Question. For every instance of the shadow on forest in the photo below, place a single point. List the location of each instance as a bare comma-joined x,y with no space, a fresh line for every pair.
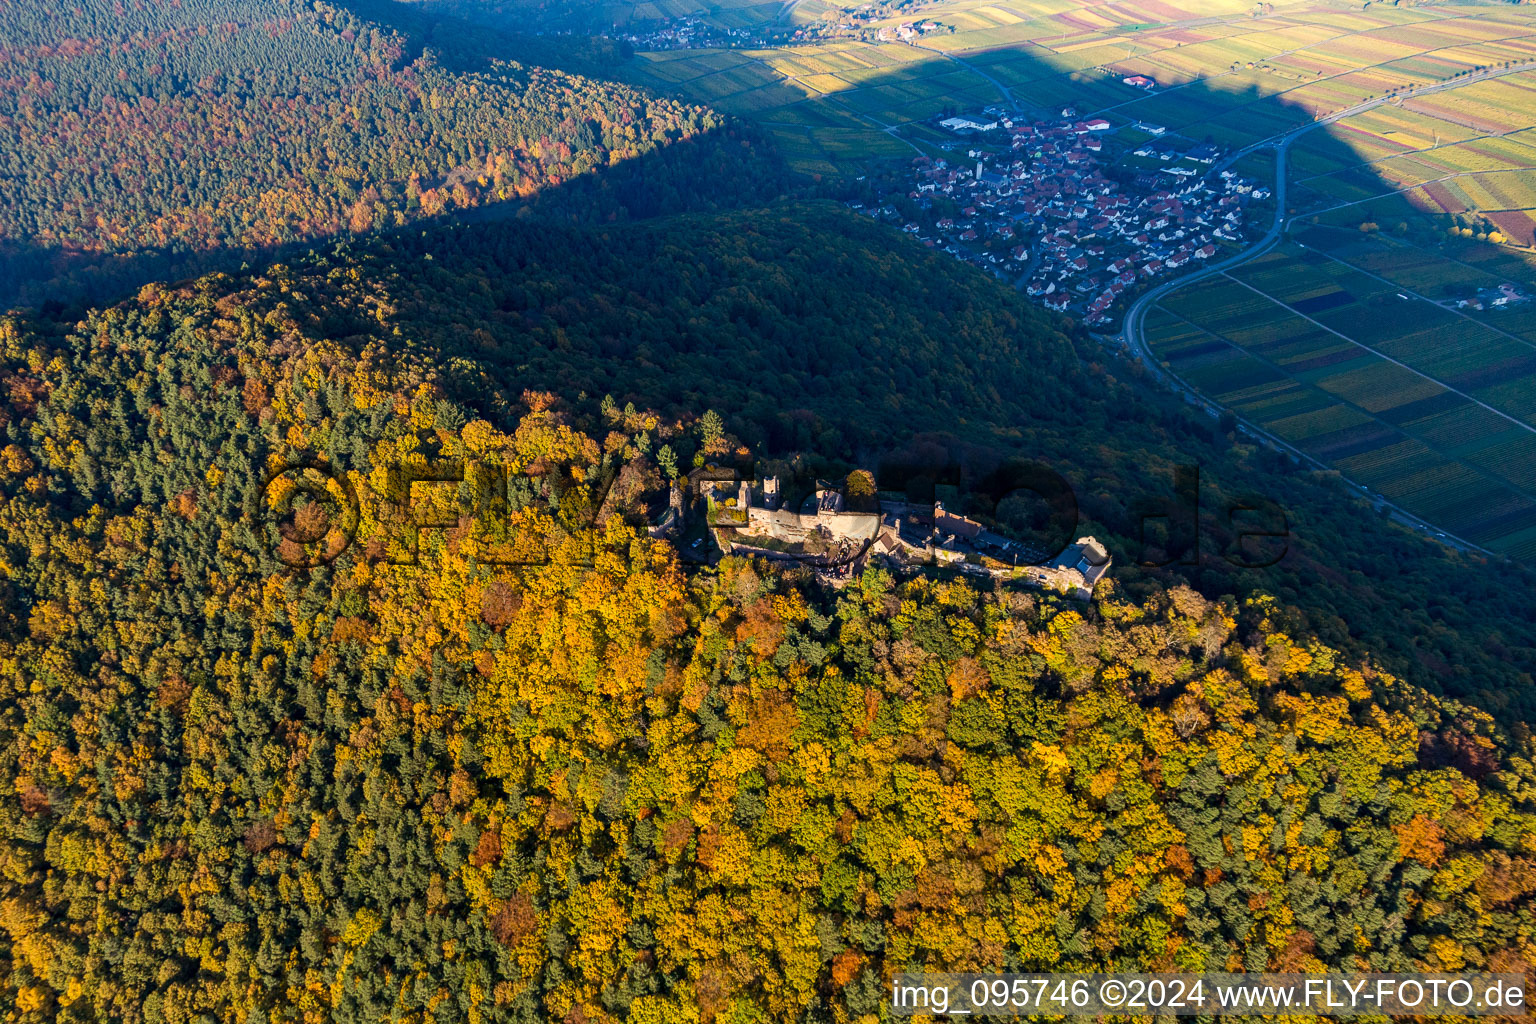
712,171
730,167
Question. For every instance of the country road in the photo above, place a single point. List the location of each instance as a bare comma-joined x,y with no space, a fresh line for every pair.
1002,89
1133,332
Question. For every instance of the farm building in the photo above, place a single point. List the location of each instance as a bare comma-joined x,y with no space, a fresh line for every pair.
969,124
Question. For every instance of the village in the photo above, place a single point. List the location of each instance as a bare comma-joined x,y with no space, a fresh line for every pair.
1078,212
692,32
837,537
698,31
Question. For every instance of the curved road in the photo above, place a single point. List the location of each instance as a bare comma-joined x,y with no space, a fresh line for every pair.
1133,333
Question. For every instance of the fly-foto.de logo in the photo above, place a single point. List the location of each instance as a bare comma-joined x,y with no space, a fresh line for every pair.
1015,515
310,513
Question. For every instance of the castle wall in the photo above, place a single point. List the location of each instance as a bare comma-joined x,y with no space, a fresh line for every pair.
792,527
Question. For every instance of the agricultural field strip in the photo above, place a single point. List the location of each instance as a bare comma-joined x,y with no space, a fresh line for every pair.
889,129
1008,96
1284,138
798,78
1006,93
1112,33
1468,122
1409,188
709,72
1488,155
1470,266
1409,291
1382,355
960,57
1150,54
1336,399
1424,149
1405,178
1342,71
836,100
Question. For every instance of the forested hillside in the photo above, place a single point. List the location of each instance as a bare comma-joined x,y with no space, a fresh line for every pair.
812,331
286,737
600,787
133,129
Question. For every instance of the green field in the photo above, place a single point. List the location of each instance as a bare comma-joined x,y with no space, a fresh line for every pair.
1331,349
1470,153
830,107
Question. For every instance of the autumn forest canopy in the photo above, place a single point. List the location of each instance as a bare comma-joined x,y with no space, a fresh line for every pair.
182,129
609,785
284,739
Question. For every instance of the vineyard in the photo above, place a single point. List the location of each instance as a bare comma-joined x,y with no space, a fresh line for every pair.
1429,406
1220,73
1470,152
